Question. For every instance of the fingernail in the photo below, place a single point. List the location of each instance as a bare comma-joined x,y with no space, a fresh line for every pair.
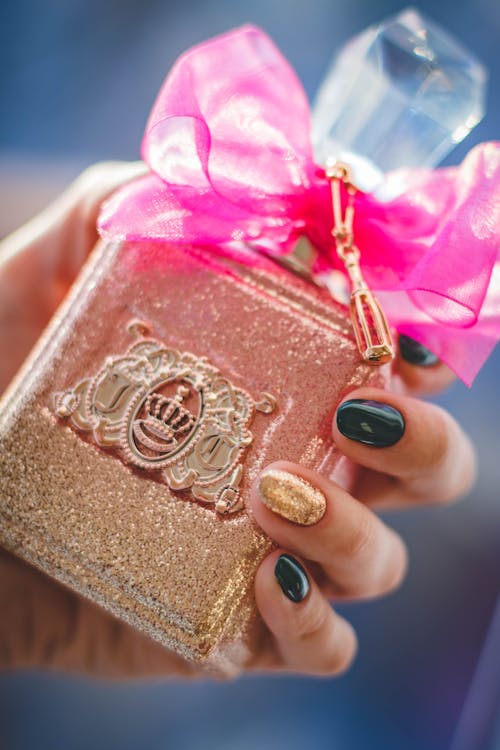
370,422
415,353
292,578
291,497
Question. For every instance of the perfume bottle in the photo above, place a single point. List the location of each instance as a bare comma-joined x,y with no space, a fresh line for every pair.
170,376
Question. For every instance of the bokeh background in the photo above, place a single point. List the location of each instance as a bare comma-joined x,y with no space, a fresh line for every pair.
77,79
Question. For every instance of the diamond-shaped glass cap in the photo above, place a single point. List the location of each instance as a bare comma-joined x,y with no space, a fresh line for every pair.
402,93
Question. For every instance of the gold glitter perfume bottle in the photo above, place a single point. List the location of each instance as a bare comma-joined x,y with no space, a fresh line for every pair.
168,379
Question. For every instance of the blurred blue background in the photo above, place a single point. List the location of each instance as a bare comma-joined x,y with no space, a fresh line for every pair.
77,79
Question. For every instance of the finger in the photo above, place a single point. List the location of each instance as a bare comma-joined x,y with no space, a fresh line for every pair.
415,443
310,637
76,208
359,554
418,371
39,261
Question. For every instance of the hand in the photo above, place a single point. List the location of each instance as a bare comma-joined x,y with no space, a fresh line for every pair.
349,553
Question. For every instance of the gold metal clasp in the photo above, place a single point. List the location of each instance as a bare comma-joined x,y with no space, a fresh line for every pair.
369,322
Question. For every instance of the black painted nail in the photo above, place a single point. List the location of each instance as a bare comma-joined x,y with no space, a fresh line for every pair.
292,578
370,422
415,353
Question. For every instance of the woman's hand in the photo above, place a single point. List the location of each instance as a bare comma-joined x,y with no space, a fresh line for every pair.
350,553
409,452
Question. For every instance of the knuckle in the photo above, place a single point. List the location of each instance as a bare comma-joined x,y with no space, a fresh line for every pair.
440,444
310,620
431,453
334,660
382,571
359,541
458,486
469,469
461,474
333,664
94,175
92,184
338,663
90,188
434,445
395,573
448,464
446,497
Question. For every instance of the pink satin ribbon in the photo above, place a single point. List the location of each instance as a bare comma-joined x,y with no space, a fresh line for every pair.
228,146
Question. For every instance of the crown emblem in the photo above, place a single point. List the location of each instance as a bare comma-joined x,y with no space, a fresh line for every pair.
166,421
168,412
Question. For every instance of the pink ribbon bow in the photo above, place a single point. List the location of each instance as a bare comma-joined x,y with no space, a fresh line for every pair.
228,146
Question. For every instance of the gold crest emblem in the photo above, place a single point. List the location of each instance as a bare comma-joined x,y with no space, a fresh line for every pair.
168,412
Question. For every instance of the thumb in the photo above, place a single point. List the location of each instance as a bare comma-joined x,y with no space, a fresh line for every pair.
39,261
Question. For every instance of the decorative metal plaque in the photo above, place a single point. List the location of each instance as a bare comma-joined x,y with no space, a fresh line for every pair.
168,412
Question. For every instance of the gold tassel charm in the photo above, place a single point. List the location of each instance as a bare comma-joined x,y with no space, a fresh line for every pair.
369,322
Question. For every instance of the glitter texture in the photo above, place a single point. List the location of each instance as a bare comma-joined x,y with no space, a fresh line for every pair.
168,565
292,497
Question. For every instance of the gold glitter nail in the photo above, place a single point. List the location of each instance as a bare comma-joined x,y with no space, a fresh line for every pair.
292,497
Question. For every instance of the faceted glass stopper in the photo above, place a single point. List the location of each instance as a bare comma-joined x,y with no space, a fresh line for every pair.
402,93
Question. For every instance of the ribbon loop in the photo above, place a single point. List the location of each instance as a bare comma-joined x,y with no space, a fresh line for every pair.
228,145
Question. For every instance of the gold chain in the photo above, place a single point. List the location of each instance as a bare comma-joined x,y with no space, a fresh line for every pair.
369,322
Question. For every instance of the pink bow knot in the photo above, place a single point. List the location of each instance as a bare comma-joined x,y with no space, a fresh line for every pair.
228,145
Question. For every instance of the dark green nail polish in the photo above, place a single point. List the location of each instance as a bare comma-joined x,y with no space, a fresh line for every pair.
370,422
415,353
292,578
